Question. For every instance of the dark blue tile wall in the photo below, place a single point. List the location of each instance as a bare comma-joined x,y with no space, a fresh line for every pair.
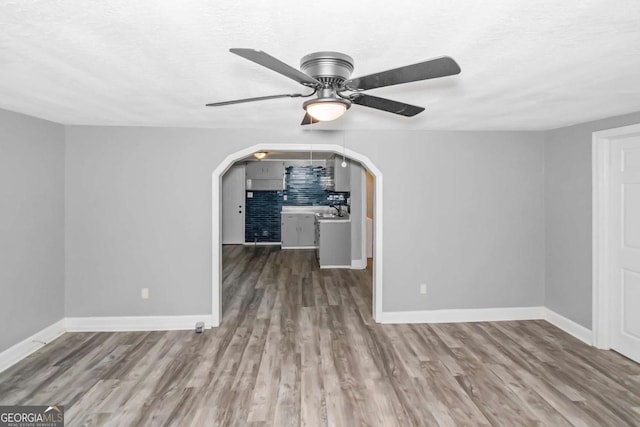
304,186
262,217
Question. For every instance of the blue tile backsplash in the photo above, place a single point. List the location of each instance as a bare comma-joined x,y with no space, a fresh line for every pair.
304,186
262,217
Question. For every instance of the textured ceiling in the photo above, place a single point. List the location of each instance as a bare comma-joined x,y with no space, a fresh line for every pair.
525,64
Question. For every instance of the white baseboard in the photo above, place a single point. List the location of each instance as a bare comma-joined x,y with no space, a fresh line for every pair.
569,326
136,323
490,315
19,351
299,247
359,264
322,267
164,323
463,315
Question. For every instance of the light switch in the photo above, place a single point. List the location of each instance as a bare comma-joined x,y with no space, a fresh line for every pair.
250,195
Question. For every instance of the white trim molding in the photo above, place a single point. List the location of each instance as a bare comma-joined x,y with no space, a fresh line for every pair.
490,315
601,150
362,264
216,215
24,348
359,264
601,171
463,315
136,323
569,326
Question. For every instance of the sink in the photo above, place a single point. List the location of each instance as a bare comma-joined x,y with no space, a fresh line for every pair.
327,215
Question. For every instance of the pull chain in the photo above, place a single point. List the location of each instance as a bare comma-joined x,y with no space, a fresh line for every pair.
344,149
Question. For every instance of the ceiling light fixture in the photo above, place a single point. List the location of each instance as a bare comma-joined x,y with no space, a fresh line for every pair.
326,110
260,155
328,106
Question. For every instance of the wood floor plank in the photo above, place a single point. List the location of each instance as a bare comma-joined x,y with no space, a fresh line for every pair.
313,410
298,347
445,388
542,410
268,378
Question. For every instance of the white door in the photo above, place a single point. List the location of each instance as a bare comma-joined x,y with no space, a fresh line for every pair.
233,206
625,246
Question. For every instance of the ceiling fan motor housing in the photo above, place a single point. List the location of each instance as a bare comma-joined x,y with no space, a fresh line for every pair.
329,68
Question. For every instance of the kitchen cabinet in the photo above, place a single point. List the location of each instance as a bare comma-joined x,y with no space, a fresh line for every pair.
334,243
265,175
265,170
298,230
341,176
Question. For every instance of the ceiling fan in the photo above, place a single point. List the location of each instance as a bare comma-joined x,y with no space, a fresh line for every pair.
328,74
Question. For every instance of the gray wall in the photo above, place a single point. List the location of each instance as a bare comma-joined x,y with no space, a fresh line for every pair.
473,214
31,226
568,216
463,211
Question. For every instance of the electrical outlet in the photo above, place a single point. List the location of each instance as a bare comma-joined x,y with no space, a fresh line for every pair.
423,288
145,293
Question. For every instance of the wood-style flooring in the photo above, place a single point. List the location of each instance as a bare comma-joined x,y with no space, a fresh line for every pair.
298,347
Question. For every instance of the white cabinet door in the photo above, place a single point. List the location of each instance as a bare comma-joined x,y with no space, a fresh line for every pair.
265,170
625,246
265,175
273,170
298,230
255,170
307,230
233,206
289,231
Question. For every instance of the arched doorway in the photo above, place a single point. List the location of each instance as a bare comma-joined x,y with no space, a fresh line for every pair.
216,221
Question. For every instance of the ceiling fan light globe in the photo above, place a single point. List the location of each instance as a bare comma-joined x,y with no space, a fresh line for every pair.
326,111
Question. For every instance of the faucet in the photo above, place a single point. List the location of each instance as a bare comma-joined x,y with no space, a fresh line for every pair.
337,208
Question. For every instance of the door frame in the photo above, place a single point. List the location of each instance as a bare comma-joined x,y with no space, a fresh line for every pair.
216,218
601,257
244,203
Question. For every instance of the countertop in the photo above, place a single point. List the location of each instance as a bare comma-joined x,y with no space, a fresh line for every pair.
344,218
316,210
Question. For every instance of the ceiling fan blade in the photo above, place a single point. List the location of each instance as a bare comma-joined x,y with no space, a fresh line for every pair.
259,98
386,105
431,69
266,60
307,120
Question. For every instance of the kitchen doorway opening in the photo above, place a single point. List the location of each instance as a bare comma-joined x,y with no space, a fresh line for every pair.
369,186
